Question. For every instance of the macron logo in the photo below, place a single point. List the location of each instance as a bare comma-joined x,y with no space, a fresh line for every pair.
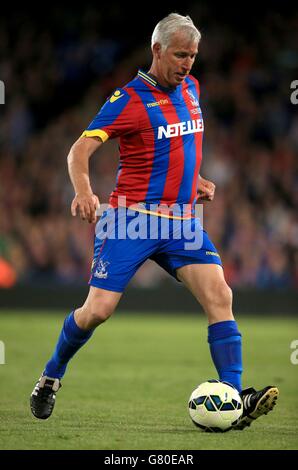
181,128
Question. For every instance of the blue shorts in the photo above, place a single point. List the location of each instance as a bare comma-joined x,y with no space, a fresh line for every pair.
125,239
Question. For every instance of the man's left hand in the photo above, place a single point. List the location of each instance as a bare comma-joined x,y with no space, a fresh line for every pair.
206,190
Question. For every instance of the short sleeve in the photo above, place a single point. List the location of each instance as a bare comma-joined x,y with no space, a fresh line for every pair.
115,118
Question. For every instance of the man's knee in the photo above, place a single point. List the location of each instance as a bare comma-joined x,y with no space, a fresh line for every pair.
97,308
219,295
100,309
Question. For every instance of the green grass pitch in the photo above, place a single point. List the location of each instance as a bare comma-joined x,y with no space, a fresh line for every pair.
128,388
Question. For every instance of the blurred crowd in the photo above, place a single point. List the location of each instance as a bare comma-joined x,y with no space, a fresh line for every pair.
57,77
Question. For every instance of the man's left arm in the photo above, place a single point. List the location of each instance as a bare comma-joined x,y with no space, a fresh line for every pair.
206,189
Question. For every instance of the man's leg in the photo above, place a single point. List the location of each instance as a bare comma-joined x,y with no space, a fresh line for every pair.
208,285
77,329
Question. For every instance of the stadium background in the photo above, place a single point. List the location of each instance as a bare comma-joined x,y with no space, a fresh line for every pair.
59,64
59,71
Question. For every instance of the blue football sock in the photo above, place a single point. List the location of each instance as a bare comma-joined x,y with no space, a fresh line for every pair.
71,339
226,351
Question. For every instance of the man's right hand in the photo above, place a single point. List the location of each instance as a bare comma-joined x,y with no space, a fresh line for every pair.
85,205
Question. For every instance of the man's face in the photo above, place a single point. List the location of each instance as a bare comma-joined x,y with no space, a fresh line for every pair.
176,61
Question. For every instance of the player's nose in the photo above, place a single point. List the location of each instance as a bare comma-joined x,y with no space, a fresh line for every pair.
187,64
186,68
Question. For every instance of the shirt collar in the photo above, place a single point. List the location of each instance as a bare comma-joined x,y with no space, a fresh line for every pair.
145,76
149,79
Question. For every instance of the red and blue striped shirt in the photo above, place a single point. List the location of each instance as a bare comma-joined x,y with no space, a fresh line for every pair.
160,135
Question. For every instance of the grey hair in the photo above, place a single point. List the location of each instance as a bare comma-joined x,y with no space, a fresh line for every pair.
171,24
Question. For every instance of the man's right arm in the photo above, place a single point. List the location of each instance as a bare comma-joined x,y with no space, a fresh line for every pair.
85,202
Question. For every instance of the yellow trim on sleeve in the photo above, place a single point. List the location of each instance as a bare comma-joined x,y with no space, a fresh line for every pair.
96,133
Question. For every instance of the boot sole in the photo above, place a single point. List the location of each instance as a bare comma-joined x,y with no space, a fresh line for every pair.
264,405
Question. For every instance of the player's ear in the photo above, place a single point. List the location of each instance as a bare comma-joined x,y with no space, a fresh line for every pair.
156,49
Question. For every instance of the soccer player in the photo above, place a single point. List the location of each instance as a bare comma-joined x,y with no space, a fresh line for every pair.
158,120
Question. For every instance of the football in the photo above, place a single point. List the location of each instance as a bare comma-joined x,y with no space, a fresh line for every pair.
215,406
